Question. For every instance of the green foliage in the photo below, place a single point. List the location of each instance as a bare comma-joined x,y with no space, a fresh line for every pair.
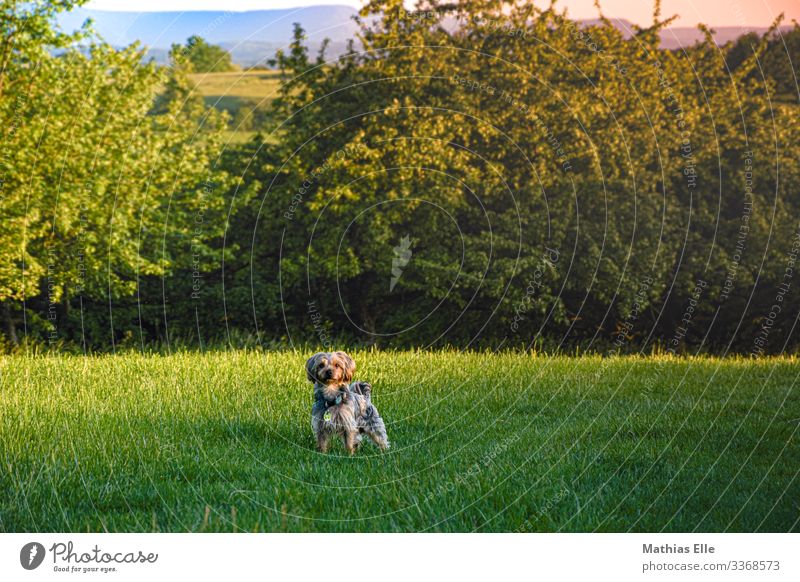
520,136
26,38
517,180
204,57
99,188
778,53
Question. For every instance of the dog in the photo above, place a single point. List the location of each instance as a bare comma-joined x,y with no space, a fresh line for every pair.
341,408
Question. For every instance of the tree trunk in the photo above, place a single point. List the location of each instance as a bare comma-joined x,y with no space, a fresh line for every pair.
368,323
11,328
5,59
65,300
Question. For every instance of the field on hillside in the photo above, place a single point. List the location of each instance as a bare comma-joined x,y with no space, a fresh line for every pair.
481,442
245,95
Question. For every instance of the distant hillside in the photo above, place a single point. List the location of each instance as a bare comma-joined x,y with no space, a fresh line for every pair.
252,37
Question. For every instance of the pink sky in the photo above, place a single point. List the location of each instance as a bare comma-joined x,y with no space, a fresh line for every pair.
714,12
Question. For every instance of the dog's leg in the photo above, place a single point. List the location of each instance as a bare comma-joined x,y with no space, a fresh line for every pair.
323,438
380,439
376,430
321,431
351,441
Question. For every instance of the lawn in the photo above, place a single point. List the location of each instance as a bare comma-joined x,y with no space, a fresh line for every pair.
245,95
242,84
222,441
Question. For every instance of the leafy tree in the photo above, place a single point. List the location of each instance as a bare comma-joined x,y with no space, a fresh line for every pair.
779,49
98,190
519,179
489,146
27,38
204,57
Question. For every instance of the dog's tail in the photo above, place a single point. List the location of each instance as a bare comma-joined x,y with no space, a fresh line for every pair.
362,388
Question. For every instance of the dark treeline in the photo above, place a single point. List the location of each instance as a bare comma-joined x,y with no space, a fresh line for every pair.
520,180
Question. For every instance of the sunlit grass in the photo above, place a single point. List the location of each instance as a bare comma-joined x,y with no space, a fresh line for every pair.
246,84
238,91
507,442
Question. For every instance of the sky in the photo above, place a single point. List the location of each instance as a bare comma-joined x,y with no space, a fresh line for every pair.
714,12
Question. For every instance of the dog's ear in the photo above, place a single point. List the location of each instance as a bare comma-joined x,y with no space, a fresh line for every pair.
349,366
311,366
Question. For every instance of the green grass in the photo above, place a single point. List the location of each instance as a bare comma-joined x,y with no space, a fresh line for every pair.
509,442
241,84
243,95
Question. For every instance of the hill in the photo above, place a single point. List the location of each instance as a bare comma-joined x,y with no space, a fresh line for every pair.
252,37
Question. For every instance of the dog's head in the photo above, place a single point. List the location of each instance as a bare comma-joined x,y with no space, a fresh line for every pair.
330,368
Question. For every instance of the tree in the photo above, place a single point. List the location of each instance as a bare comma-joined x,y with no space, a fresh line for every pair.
519,179
27,38
779,49
98,189
204,57
490,146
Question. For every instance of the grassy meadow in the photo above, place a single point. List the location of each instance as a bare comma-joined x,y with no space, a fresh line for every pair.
239,93
481,442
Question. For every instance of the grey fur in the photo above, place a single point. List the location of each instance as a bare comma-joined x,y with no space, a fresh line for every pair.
349,408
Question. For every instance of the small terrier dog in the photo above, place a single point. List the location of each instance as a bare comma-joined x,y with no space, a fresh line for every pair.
341,408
